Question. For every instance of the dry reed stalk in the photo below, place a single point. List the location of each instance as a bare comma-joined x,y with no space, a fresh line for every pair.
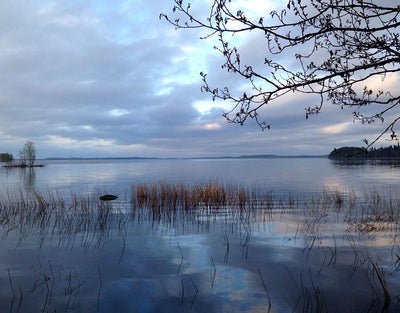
266,290
208,195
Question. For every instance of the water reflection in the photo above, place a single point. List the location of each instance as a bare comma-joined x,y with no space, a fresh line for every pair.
282,176
79,254
366,163
28,177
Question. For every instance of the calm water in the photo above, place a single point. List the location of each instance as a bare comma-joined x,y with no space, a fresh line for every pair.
312,258
302,175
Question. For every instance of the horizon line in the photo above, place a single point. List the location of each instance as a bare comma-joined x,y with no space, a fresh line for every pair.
250,156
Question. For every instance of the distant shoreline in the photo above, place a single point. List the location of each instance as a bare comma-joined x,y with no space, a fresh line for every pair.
267,156
359,153
22,166
333,156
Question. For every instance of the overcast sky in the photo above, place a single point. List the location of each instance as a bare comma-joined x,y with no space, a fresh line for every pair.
99,78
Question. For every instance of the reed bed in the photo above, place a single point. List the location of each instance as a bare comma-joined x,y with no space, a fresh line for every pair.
66,213
67,217
210,195
50,215
371,211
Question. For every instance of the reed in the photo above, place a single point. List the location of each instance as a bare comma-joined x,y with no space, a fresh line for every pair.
209,195
266,291
162,196
69,217
63,214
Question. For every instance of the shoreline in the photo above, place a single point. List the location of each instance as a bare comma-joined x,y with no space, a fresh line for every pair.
22,166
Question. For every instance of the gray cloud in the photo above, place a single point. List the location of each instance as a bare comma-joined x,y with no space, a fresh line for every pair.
87,78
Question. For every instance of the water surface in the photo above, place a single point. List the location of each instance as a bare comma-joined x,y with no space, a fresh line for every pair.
291,257
281,175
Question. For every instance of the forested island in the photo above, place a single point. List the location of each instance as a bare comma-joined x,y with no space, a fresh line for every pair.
6,157
359,153
27,157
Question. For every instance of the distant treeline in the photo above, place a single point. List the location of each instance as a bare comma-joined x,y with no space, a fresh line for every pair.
391,152
6,157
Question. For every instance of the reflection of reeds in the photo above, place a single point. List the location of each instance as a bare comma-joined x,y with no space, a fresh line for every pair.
375,277
379,272
49,215
12,289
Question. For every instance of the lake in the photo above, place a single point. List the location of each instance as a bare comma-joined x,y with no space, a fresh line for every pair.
322,236
281,175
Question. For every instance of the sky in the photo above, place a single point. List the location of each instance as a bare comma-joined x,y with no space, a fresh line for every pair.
98,78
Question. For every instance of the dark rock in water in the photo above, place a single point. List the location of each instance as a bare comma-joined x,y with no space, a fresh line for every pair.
108,197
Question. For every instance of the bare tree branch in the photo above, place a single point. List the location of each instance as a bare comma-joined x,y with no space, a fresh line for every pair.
347,42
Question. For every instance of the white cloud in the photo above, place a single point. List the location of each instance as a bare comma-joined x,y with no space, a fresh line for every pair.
118,112
65,142
336,128
388,82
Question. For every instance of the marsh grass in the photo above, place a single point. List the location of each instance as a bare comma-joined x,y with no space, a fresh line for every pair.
210,195
55,214
159,196
376,213
68,218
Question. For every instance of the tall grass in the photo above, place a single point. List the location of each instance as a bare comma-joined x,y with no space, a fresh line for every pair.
65,213
172,196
